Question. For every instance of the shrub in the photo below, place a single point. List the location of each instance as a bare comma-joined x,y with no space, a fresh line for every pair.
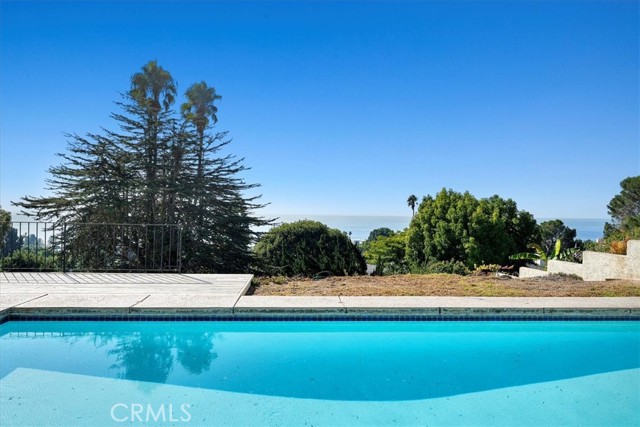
444,267
388,254
456,226
308,248
618,247
24,259
373,236
487,268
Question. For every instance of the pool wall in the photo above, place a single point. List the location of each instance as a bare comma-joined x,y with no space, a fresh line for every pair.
323,314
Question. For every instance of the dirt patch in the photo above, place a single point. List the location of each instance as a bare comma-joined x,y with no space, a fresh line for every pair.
444,285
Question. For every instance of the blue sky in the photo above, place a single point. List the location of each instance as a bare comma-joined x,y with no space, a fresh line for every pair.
349,107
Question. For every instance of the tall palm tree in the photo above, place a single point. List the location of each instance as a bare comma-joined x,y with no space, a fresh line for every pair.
411,202
197,110
152,89
152,84
199,106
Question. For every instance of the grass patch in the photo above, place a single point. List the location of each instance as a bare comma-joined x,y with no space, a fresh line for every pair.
444,285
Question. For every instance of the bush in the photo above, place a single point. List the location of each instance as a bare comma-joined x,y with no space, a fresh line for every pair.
24,259
308,248
554,230
388,254
618,247
444,267
459,227
487,268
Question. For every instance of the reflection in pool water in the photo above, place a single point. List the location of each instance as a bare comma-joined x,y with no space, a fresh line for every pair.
151,357
364,361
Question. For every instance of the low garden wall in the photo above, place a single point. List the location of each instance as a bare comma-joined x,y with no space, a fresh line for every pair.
596,266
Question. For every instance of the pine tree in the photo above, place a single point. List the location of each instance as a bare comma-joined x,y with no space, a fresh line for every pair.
157,167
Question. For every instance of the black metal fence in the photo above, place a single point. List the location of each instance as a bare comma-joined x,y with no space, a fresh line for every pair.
47,246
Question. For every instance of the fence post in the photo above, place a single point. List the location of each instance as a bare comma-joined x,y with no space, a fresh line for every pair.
179,249
64,247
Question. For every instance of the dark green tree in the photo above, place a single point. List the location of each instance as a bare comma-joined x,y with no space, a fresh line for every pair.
10,241
158,167
382,231
153,90
387,253
553,230
497,229
373,235
91,184
440,228
197,111
456,227
5,225
624,209
308,248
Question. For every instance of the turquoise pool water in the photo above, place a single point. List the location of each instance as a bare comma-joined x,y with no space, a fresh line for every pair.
320,373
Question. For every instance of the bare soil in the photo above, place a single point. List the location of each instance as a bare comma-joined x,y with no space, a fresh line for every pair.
444,285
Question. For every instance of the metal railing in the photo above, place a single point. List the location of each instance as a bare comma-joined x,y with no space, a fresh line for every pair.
47,246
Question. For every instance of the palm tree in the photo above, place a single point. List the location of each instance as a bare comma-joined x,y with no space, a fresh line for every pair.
199,106
411,202
197,110
148,86
152,89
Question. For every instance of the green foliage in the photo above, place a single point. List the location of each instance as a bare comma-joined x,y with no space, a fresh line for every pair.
411,202
458,227
308,248
373,235
571,255
199,106
5,216
539,253
555,252
591,245
383,231
10,241
25,259
5,230
444,267
554,230
159,167
388,254
624,209
485,268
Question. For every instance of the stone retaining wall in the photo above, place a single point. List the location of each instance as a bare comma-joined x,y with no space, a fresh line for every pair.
596,266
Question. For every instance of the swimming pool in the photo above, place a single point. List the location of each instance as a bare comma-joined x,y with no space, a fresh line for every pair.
335,373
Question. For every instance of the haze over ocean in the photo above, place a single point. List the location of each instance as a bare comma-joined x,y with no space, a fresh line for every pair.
360,225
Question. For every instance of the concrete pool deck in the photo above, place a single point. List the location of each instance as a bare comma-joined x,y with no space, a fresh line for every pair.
224,294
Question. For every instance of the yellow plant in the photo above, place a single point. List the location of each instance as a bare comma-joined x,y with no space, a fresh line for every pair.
618,247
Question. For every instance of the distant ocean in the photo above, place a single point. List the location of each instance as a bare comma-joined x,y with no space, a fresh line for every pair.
586,228
361,226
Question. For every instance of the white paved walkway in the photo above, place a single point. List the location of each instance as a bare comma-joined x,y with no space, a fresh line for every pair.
224,293
120,290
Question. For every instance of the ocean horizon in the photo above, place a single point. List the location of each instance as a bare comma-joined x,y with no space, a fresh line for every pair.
361,225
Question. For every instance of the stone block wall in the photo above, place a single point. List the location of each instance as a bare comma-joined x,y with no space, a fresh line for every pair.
597,266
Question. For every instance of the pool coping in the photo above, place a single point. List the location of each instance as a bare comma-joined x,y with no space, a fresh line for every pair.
164,301
356,308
